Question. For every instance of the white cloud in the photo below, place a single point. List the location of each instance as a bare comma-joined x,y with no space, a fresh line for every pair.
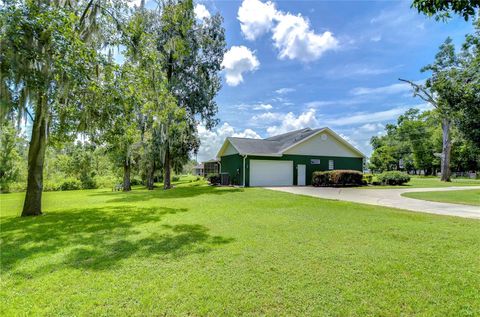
211,141
283,91
291,122
263,106
292,34
390,89
201,12
372,127
371,117
236,61
268,117
349,70
295,39
256,18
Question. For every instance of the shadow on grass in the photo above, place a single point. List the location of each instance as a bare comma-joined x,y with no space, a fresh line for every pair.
98,238
159,193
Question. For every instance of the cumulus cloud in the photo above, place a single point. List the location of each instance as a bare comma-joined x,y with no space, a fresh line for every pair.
256,18
201,12
212,140
292,34
295,39
236,61
292,122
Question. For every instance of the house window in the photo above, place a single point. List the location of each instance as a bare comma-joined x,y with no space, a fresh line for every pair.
331,165
314,161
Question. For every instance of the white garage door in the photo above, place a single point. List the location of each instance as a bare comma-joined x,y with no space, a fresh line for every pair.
271,173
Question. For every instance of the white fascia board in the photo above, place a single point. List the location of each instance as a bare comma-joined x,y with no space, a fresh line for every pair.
224,146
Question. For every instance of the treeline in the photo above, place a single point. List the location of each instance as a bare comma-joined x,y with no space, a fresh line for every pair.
78,164
453,91
414,144
58,72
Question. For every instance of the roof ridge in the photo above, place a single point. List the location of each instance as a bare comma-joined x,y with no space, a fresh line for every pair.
236,137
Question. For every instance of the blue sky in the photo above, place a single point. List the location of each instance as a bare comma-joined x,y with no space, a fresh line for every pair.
295,64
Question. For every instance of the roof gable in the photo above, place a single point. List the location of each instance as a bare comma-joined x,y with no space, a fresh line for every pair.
324,142
288,143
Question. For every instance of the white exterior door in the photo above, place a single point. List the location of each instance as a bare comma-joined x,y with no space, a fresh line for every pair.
301,174
271,173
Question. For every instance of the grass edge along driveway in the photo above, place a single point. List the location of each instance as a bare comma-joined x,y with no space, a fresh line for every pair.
465,197
200,250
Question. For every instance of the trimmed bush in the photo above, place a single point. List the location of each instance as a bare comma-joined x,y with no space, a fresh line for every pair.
321,179
346,178
214,179
337,178
393,178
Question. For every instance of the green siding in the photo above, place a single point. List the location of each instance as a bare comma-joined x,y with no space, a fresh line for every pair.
231,163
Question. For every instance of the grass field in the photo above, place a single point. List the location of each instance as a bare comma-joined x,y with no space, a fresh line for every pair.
198,250
467,197
427,182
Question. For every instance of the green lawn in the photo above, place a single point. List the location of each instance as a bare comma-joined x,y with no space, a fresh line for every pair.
426,182
467,197
198,250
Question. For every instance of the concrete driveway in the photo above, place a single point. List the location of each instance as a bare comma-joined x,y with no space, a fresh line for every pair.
390,198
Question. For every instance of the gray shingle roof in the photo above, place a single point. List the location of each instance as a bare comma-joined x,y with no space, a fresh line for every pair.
274,145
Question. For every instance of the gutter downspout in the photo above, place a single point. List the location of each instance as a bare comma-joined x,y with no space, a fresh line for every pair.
244,171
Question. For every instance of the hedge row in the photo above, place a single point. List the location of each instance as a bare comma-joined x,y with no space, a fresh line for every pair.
337,178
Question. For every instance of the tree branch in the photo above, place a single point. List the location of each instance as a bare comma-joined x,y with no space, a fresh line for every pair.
418,90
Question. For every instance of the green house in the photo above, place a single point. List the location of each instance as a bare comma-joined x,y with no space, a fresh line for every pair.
287,159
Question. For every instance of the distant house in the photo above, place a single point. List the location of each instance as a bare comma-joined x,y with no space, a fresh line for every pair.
198,170
287,159
208,167
211,167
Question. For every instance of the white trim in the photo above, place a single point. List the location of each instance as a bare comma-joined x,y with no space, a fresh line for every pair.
244,171
224,146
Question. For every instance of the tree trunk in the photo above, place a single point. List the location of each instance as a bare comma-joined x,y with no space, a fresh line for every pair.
126,177
166,170
150,176
446,148
32,205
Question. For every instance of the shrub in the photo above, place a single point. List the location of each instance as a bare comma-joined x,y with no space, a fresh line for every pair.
175,178
88,182
393,178
70,184
214,179
346,178
106,181
368,178
337,178
321,179
135,181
